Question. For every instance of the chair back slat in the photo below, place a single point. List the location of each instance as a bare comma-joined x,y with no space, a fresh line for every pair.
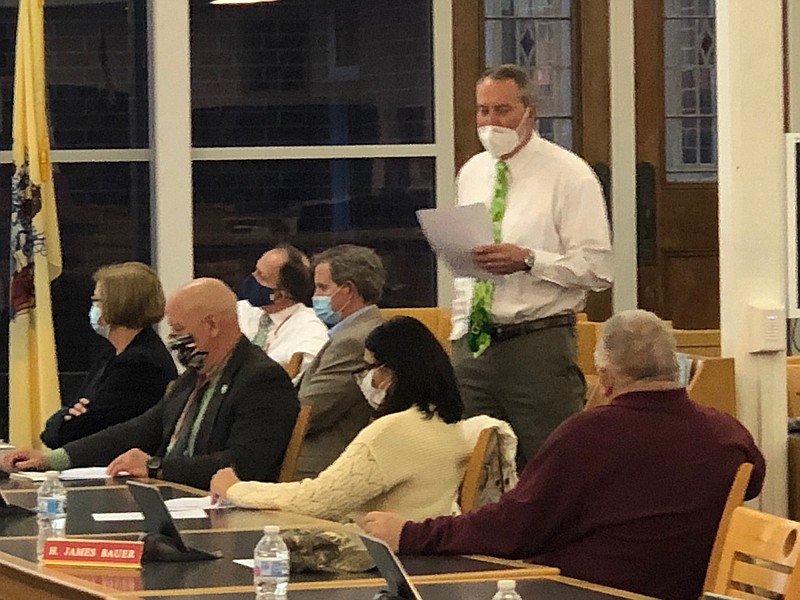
735,499
471,484
743,595
758,542
295,443
759,576
292,366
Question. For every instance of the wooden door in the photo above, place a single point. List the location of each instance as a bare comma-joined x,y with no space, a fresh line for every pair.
678,241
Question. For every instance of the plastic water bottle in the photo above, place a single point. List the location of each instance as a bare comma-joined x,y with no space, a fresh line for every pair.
507,590
51,510
271,565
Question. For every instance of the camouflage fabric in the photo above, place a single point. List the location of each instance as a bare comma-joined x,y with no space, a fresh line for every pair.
326,550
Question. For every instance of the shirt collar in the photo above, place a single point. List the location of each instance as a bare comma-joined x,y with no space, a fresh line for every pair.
283,314
667,400
524,153
343,323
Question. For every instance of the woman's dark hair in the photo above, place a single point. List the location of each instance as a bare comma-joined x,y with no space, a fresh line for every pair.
423,376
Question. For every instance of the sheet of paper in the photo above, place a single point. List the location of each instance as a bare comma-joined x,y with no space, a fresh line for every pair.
87,473
245,562
29,475
6,446
195,502
118,516
194,513
453,232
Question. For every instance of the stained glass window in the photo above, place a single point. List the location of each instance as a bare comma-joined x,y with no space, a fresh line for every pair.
537,35
690,91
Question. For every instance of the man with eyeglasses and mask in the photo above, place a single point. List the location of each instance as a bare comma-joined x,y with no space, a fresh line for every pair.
348,281
233,406
514,331
273,314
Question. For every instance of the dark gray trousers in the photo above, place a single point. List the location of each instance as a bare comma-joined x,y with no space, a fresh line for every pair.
531,381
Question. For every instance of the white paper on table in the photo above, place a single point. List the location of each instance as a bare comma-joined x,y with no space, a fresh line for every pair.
195,502
245,562
87,473
454,231
194,513
118,516
35,476
6,446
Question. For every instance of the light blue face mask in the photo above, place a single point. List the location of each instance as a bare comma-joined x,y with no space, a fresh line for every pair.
94,320
324,310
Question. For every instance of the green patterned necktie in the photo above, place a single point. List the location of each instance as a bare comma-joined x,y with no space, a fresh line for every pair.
264,325
479,335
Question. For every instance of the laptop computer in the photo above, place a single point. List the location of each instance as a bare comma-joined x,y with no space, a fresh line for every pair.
7,509
391,569
162,541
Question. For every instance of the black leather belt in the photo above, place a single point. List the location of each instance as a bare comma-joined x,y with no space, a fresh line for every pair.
500,333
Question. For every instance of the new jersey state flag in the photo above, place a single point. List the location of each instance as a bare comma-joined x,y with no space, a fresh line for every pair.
35,245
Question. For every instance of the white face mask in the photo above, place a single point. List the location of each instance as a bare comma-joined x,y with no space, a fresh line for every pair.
499,141
374,396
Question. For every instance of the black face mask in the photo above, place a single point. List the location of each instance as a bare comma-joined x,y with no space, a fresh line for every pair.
185,350
255,293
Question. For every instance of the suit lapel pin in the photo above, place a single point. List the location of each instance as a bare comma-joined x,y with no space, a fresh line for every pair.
224,388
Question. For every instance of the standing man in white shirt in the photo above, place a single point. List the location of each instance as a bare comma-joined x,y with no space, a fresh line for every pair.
514,333
274,315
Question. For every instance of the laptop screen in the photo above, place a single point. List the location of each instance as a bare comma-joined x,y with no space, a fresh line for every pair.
391,569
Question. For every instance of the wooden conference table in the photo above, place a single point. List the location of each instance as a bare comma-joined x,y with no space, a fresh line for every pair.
234,532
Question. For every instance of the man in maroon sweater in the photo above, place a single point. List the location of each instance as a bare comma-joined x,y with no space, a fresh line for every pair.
627,495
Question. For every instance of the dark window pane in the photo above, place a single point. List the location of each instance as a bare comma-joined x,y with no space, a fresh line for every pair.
96,73
104,217
243,208
311,72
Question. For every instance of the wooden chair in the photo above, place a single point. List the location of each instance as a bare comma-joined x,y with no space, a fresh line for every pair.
435,318
587,334
793,388
700,342
292,366
735,499
713,383
475,474
295,443
759,557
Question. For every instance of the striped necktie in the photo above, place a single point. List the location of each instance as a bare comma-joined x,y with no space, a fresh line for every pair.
479,335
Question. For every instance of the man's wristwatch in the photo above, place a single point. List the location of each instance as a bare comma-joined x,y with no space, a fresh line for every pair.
153,466
529,259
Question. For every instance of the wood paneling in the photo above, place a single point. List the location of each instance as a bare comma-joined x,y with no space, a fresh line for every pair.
592,122
468,64
684,286
691,286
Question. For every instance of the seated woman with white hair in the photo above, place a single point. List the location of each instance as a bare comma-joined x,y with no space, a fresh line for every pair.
410,459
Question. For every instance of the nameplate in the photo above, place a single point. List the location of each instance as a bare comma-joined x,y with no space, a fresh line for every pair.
92,553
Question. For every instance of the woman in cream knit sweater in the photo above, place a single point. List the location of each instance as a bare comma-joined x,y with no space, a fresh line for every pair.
409,460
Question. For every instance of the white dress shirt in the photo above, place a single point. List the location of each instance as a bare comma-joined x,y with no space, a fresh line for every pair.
294,329
554,207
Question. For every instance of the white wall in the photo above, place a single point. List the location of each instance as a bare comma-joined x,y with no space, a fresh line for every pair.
752,218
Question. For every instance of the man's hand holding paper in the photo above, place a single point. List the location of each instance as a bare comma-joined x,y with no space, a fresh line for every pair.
499,259
455,233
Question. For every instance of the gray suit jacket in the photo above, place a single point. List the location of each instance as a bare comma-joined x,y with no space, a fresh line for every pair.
338,408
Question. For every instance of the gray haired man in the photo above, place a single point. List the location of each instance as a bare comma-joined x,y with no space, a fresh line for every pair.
348,281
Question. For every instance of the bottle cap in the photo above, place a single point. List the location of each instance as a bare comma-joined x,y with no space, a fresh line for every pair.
506,585
272,529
